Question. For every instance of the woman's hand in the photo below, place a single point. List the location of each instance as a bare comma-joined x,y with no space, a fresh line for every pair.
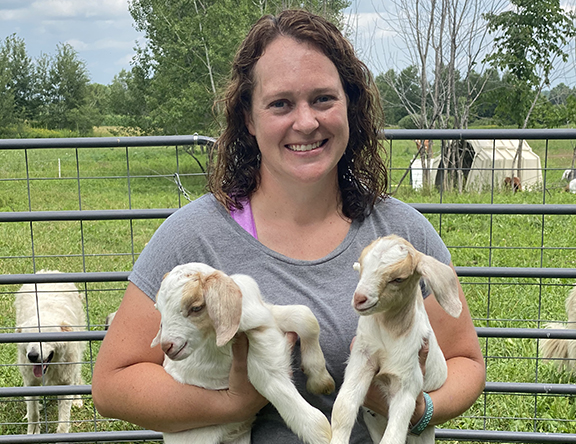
377,402
241,391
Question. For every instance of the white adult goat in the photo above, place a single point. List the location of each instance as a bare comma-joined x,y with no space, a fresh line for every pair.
563,351
391,331
202,310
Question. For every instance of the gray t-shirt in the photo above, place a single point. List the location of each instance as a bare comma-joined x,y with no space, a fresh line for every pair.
203,231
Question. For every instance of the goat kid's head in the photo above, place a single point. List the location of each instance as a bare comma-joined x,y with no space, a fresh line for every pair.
390,270
197,302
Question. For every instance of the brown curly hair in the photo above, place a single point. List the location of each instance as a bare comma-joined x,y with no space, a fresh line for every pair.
362,175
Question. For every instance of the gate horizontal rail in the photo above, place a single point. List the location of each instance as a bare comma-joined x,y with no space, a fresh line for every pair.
77,215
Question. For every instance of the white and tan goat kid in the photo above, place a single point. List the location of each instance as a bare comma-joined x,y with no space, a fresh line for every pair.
392,328
202,310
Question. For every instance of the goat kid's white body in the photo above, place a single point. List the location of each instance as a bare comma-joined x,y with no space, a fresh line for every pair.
563,351
396,360
50,307
388,342
269,360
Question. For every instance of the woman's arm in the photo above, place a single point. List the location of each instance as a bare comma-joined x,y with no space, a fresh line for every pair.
466,372
130,383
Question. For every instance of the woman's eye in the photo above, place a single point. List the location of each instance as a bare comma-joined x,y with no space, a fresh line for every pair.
278,104
324,99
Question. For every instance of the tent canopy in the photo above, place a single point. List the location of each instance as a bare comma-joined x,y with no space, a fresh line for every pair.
492,162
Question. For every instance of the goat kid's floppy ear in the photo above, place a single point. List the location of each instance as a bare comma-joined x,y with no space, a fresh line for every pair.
442,282
224,304
157,339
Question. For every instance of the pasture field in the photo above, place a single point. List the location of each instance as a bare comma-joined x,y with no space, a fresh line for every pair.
141,177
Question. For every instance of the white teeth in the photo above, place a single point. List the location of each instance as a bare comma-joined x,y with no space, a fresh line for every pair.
309,147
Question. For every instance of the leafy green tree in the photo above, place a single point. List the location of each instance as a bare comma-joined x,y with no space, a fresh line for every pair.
400,93
531,38
560,93
6,95
20,71
189,47
62,91
485,105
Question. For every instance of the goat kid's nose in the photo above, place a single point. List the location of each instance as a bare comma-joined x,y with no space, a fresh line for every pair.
167,346
359,299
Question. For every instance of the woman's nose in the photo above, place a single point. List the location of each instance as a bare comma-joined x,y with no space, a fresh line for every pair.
305,120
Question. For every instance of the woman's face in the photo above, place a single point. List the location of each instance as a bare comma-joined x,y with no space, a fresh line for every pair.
299,114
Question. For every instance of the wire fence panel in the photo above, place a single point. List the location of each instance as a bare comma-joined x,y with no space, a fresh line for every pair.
87,207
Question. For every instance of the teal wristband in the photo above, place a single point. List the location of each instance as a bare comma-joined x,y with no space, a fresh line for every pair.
425,420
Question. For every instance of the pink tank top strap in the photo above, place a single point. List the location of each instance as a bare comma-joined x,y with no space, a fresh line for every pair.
245,218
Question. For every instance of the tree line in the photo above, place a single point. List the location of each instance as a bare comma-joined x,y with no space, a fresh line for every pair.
53,91
180,71
401,95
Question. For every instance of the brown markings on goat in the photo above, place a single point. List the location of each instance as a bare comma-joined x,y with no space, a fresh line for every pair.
193,301
398,310
224,304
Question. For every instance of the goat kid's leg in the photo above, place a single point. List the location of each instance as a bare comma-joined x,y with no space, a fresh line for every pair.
357,379
33,415
400,408
202,435
64,406
426,437
301,320
270,373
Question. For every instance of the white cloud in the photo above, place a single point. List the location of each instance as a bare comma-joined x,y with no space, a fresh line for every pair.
10,14
65,9
125,61
102,44
368,25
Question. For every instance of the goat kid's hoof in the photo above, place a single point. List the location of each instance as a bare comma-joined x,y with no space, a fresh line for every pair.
323,385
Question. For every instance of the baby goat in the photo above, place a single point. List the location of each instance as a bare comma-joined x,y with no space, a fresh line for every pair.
202,310
392,329
563,350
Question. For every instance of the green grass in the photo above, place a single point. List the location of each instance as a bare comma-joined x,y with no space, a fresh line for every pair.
86,179
120,178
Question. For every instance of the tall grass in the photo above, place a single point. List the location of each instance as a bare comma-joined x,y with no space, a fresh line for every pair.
120,178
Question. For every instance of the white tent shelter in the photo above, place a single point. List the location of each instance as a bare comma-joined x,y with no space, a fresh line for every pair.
492,162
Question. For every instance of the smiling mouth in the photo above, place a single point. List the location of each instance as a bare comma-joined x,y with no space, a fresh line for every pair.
363,309
308,147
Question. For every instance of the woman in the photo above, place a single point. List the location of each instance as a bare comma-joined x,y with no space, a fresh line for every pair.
297,193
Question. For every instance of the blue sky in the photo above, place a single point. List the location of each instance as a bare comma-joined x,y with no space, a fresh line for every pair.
103,34
101,31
